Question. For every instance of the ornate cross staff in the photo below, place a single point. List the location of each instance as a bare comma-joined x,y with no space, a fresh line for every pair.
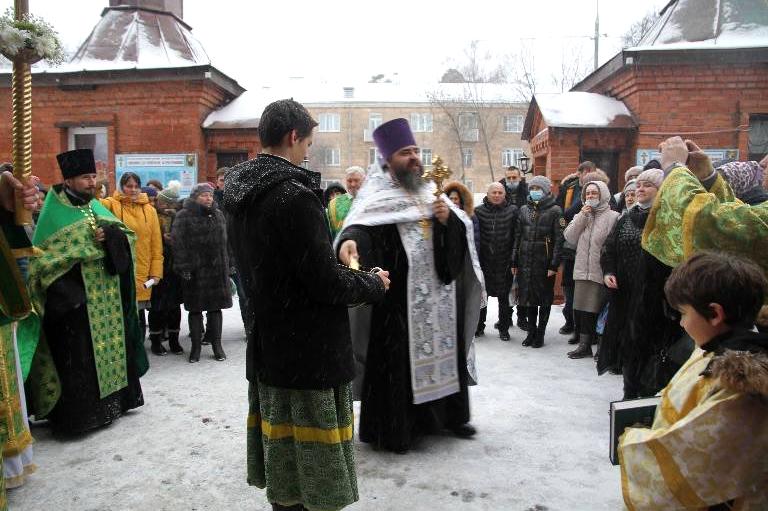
438,173
22,114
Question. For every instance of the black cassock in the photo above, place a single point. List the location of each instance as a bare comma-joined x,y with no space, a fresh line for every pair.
67,330
388,417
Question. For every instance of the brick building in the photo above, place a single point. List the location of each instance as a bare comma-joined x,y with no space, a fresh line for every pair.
475,128
700,72
140,83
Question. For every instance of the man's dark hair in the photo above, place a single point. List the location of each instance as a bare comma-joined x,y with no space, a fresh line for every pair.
128,176
282,117
222,171
154,182
737,284
587,166
512,167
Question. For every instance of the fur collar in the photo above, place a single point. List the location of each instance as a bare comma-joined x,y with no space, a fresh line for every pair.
740,362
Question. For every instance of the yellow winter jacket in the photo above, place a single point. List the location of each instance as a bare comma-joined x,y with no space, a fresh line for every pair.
141,218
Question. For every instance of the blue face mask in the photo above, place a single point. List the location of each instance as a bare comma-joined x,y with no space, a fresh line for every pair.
536,195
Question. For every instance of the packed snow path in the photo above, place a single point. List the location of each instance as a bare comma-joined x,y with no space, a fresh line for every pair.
542,441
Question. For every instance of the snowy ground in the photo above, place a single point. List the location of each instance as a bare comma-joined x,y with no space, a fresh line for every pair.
542,442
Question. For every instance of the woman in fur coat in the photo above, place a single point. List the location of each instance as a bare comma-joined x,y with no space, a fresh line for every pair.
201,258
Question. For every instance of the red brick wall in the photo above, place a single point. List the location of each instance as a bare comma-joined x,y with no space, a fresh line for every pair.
230,141
160,117
708,103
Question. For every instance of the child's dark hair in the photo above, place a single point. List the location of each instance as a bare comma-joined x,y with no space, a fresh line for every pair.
282,117
737,284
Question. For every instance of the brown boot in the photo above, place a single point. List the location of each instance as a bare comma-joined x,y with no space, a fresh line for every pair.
584,349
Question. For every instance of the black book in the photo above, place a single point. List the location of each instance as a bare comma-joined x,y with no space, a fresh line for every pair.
625,414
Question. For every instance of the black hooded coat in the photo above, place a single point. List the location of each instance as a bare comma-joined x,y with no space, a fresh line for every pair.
300,327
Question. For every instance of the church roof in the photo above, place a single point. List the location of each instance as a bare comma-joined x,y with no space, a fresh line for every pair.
708,24
137,38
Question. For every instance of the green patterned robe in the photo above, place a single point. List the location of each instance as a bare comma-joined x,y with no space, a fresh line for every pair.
686,218
338,209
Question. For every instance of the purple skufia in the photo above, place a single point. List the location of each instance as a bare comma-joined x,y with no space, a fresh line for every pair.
392,136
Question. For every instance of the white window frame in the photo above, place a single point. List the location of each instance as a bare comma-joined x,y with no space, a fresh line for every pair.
423,153
511,156
464,126
329,122
421,122
335,157
375,120
94,130
373,155
513,123
468,152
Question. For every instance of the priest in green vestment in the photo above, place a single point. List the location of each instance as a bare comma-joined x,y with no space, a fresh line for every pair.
85,371
339,207
15,438
696,210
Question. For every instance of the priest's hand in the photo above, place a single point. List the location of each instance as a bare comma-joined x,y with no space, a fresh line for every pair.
11,188
99,235
611,282
551,273
673,150
441,211
698,162
347,252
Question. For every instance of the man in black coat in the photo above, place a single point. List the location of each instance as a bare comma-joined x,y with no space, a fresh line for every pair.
515,187
496,219
299,356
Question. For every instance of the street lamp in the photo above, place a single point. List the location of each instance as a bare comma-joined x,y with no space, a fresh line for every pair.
524,159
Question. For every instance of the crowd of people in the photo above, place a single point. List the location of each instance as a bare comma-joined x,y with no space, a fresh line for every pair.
377,289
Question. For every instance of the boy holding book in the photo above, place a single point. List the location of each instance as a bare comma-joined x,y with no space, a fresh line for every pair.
708,446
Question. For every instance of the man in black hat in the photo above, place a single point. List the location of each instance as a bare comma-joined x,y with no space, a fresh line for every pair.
86,370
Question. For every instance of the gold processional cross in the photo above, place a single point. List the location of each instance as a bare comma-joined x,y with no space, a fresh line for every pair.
438,173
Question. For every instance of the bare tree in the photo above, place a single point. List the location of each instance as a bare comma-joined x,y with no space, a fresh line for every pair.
638,29
573,67
450,108
521,72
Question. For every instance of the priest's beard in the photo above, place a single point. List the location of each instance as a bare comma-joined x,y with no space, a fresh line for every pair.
86,195
409,177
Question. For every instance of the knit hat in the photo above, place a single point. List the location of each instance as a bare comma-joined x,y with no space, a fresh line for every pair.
170,194
653,176
631,186
392,136
151,191
200,188
742,176
632,173
76,163
542,182
596,175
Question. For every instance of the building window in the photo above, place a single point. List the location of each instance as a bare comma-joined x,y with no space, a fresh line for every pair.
426,157
513,123
421,122
94,139
468,121
329,122
511,157
470,184
373,155
230,159
467,156
332,157
758,136
374,121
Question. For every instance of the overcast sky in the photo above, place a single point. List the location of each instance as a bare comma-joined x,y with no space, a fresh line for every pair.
259,42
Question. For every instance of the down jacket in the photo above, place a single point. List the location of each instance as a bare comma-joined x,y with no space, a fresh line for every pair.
199,240
141,218
588,232
538,248
496,225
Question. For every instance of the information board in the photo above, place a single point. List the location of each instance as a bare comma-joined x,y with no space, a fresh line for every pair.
645,155
163,167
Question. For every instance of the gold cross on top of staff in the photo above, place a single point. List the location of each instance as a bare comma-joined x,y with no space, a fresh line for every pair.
438,173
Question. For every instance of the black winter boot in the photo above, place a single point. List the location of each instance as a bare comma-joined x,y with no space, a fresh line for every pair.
196,333
157,347
173,343
584,349
530,323
214,329
541,329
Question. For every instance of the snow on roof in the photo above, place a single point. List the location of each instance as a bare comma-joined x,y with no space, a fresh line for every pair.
710,24
244,112
583,110
137,39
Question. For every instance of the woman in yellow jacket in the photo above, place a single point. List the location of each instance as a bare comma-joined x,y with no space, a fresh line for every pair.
134,209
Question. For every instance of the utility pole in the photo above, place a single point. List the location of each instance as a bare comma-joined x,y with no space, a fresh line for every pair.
597,31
